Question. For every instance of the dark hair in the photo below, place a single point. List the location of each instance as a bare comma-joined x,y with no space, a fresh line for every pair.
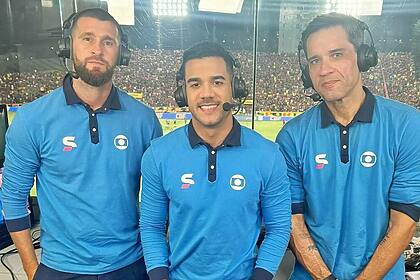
96,13
206,49
352,26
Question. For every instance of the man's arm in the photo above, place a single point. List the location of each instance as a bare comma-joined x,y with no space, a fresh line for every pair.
404,200
400,232
276,211
153,217
301,242
157,128
23,243
305,249
20,167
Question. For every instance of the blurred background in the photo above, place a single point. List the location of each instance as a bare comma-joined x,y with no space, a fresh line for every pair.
262,34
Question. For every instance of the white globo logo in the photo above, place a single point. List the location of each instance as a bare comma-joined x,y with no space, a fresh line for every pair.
237,182
368,159
121,142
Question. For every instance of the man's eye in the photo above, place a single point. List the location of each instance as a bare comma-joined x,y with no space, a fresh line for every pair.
109,43
314,61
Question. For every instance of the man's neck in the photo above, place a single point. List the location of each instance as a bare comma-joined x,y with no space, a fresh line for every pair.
214,136
95,97
345,109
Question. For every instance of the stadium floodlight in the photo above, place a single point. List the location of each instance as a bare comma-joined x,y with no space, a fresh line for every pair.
221,6
175,8
121,10
47,3
355,7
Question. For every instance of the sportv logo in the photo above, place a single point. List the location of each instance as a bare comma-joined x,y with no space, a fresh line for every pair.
187,180
69,143
321,161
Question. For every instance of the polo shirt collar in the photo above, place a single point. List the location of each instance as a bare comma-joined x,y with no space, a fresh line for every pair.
112,102
364,114
232,139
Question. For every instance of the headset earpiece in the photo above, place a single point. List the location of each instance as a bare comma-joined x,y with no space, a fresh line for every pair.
304,69
367,56
64,43
180,94
306,78
239,90
125,53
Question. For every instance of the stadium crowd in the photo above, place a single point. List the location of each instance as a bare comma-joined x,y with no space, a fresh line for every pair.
278,86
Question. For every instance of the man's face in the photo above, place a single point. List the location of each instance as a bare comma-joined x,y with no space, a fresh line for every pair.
95,50
208,86
333,64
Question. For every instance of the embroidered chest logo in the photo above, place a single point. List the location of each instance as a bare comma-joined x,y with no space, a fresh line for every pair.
187,181
368,159
121,142
237,182
69,144
321,161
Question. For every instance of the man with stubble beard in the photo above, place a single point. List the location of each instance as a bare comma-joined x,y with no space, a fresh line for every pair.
84,143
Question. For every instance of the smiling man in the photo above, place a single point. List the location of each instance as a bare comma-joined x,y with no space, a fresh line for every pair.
353,162
84,143
214,181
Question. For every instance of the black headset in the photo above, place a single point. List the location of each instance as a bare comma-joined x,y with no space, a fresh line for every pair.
65,43
367,57
239,90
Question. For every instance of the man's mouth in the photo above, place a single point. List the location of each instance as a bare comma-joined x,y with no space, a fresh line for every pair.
329,84
96,62
208,107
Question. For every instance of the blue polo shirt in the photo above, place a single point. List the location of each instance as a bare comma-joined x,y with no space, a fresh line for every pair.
215,200
87,166
346,179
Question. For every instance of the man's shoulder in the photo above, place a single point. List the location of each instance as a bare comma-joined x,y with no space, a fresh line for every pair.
251,137
263,151
44,104
395,108
171,140
303,121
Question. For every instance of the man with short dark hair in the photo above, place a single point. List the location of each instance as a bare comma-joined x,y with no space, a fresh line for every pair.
214,181
353,162
84,143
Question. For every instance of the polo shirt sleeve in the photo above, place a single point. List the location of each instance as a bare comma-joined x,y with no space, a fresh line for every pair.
276,212
288,148
157,131
20,167
405,189
154,214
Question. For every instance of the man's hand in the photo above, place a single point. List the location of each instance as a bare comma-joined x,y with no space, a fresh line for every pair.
30,271
400,232
305,250
23,243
